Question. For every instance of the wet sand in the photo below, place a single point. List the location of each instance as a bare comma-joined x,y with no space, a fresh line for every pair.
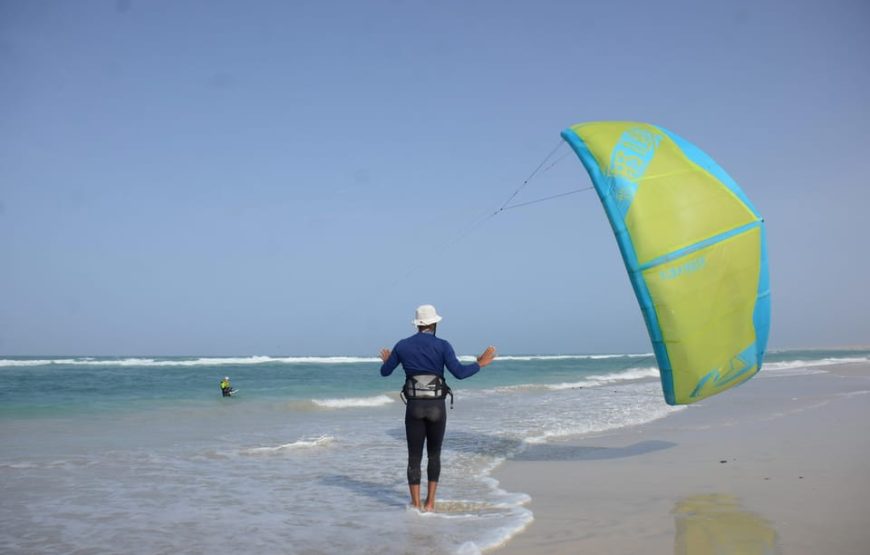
780,464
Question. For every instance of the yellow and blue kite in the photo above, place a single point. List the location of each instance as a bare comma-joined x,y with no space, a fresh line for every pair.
695,250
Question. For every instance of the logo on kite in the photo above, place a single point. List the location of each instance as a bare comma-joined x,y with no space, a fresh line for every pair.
689,267
738,368
633,153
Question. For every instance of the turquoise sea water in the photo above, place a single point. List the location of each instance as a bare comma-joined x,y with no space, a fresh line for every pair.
143,455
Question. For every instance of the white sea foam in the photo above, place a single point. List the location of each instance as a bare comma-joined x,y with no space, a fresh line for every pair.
627,419
625,376
202,361
260,359
804,367
300,444
469,358
20,465
16,362
629,375
352,402
855,393
520,519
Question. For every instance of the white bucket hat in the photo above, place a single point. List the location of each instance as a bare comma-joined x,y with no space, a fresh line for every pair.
426,315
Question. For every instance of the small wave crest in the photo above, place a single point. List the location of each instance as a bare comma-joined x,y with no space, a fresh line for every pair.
630,375
300,444
526,358
639,414
804,367
352,402
185,362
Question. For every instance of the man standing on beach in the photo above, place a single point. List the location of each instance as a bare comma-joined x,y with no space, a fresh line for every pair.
423,357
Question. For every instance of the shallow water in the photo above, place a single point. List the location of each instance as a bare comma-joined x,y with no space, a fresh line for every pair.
144,456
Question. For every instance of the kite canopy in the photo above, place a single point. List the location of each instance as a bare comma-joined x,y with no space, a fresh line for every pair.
695,251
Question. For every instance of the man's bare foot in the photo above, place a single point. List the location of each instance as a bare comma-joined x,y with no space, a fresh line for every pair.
415,496
431,488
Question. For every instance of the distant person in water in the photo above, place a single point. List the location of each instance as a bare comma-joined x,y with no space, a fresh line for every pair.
423,357
226,387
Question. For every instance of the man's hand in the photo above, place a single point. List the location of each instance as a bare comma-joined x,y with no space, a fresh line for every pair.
487,356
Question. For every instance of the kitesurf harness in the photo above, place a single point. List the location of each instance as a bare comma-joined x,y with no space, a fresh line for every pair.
426,386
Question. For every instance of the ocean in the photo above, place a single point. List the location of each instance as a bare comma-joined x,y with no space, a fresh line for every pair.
143,455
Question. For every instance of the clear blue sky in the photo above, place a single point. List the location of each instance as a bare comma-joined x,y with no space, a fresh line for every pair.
296,177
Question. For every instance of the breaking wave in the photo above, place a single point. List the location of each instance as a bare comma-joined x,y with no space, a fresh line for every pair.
301,444
181,361
353,402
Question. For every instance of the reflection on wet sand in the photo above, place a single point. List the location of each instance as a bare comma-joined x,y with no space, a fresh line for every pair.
717,524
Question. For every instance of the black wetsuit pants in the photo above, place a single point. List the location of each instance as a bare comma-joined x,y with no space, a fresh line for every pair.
425,420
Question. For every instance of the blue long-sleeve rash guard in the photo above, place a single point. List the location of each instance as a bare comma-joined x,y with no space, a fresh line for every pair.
424,353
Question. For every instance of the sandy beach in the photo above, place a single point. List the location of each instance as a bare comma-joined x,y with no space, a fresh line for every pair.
778,465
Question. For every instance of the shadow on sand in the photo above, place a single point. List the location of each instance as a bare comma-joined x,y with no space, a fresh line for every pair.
517,450
550,452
